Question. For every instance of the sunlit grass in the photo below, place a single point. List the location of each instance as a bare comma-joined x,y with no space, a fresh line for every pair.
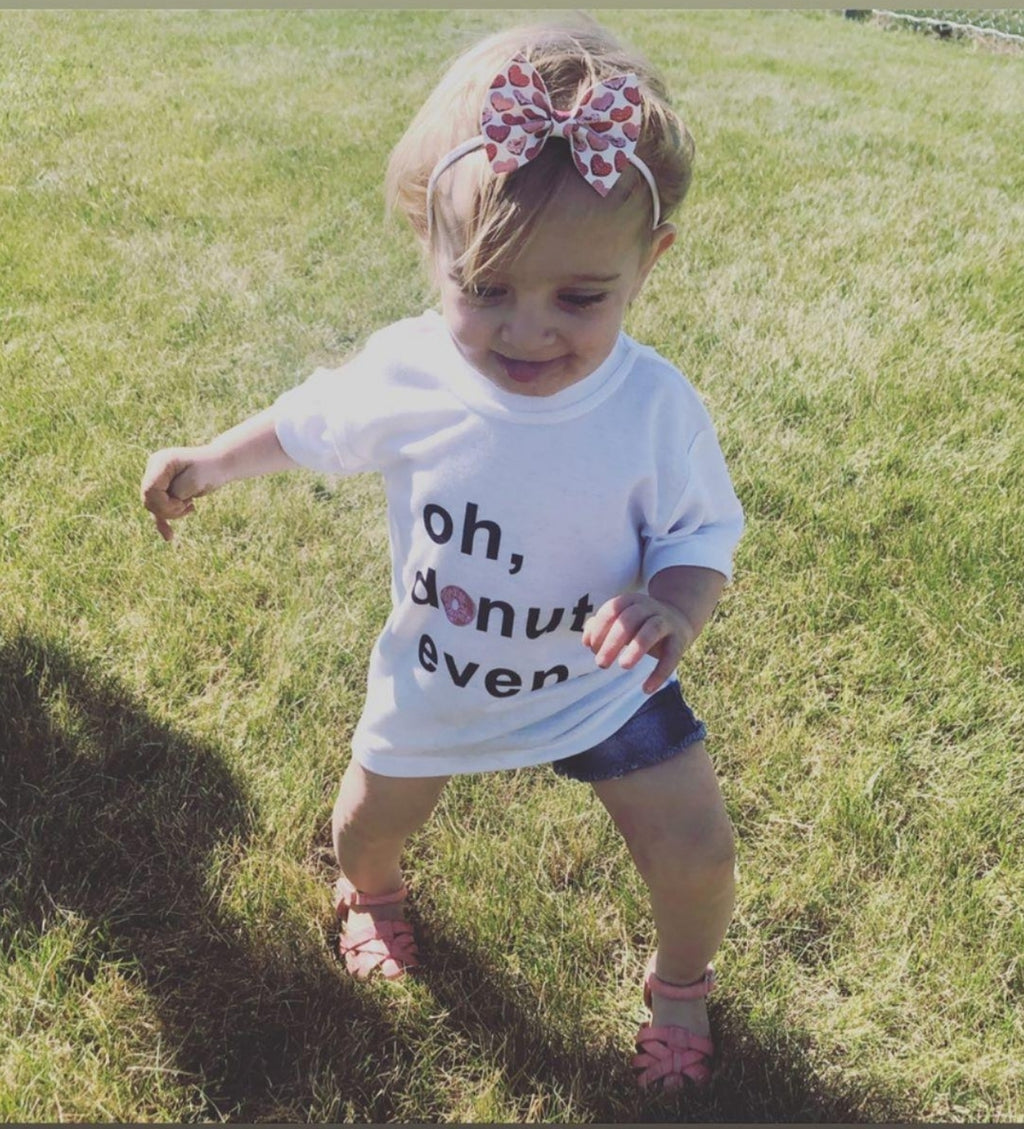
190,221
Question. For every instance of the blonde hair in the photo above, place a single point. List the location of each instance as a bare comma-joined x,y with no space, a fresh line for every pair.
570,57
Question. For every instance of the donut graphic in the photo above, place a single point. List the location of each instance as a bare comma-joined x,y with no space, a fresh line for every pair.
458,605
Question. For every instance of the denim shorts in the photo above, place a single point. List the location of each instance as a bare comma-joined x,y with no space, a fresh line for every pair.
660,729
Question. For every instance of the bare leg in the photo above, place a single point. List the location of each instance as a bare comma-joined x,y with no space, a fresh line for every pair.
674,822
374,815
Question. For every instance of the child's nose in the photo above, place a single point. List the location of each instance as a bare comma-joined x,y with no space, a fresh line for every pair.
527,326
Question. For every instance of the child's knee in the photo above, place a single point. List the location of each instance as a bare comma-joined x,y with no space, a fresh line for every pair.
708,846
700,850
718,854
372,807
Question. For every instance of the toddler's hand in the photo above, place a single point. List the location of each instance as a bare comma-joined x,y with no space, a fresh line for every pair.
173,477
630,626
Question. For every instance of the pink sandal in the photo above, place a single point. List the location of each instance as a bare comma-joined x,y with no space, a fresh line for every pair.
672,1055
387,945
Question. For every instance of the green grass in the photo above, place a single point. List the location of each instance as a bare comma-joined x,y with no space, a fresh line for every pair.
191,220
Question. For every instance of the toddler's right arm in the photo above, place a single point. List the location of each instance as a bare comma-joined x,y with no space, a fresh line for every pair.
176,475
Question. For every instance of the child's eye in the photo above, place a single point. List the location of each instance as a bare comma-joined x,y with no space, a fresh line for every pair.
582,301
480,292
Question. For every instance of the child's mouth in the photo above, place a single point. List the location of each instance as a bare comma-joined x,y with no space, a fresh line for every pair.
525,372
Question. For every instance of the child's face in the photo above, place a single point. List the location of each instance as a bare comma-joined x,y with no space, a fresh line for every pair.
553,315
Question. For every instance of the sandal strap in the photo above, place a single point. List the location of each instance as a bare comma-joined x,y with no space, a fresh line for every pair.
348,897
654,985
389,946
671,1054
393,934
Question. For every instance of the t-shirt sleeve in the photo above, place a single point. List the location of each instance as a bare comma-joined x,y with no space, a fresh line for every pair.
331,421
697,518
310,422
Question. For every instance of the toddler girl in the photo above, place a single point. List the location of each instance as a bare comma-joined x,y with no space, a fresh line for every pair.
561,519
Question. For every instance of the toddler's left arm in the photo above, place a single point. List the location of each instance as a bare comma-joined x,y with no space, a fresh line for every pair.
663,621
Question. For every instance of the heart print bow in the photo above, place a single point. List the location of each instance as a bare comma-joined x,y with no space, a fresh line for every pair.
518,118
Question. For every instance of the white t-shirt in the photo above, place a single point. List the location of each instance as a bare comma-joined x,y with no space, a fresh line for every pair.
512,519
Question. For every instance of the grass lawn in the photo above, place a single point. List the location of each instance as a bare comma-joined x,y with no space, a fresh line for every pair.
190,221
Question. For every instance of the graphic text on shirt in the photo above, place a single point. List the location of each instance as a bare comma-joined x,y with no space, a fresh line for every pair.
461,609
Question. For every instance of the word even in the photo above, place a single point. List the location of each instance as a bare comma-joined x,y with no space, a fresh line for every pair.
499,682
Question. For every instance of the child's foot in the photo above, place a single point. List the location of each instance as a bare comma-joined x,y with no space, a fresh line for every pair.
675,1047
374,932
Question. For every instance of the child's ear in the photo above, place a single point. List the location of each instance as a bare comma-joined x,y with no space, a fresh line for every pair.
663,236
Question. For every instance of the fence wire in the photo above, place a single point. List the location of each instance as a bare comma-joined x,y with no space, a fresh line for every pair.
1006,26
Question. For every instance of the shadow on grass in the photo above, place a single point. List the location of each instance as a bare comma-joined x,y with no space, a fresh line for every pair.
108,814
752,1083
111,815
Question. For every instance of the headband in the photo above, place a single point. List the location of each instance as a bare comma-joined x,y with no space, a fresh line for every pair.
518,118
